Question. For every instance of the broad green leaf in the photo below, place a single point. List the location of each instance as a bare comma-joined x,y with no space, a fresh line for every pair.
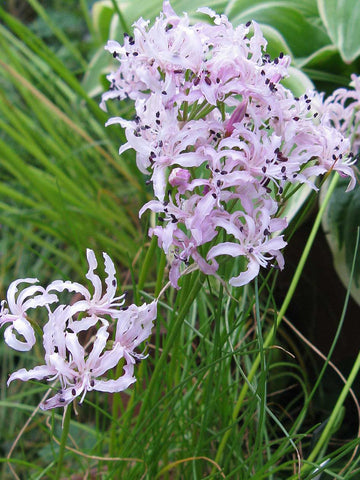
301,34
340,223
99,66
276,42
342,19
102,13
326,67
306,7
297,82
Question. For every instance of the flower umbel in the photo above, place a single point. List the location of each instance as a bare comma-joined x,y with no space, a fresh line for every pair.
221,137
77,366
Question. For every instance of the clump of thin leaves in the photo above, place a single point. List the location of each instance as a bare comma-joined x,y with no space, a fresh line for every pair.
227,389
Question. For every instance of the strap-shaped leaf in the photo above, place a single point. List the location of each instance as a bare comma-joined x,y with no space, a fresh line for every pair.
342,19
340,223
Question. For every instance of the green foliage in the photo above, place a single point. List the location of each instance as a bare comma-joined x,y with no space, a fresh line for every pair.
341,222
341,20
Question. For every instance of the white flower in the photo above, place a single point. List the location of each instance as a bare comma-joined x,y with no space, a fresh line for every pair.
16,313
98,303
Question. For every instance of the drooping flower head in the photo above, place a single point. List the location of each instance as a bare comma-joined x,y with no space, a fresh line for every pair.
80,367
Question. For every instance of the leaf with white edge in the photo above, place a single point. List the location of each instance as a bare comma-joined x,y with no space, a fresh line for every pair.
102,13
302,35
100,65
276,42
340,223
341,19
297,81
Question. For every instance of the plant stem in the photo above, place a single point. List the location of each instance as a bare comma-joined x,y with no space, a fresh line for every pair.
196,284
269,338
325,436
64,435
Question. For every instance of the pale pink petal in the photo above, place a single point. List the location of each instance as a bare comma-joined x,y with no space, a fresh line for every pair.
94,279
245,277
24,328
38,373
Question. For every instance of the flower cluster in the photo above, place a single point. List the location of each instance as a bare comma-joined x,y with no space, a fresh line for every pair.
342,110
223,140
79,367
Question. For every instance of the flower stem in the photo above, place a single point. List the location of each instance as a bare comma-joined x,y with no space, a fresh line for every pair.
64,435
196,284
269,338
326,433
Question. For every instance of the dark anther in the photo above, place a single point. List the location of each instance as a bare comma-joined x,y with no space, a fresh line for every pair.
115,54
135,54
207,81
281,55
114,283
214,195
296,119
157,114
276,61
197,81
179,70
283,169
218,183
248,24
164,92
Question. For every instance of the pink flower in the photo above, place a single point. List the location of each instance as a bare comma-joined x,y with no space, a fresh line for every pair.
81,368
221,137
17,312
97,303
